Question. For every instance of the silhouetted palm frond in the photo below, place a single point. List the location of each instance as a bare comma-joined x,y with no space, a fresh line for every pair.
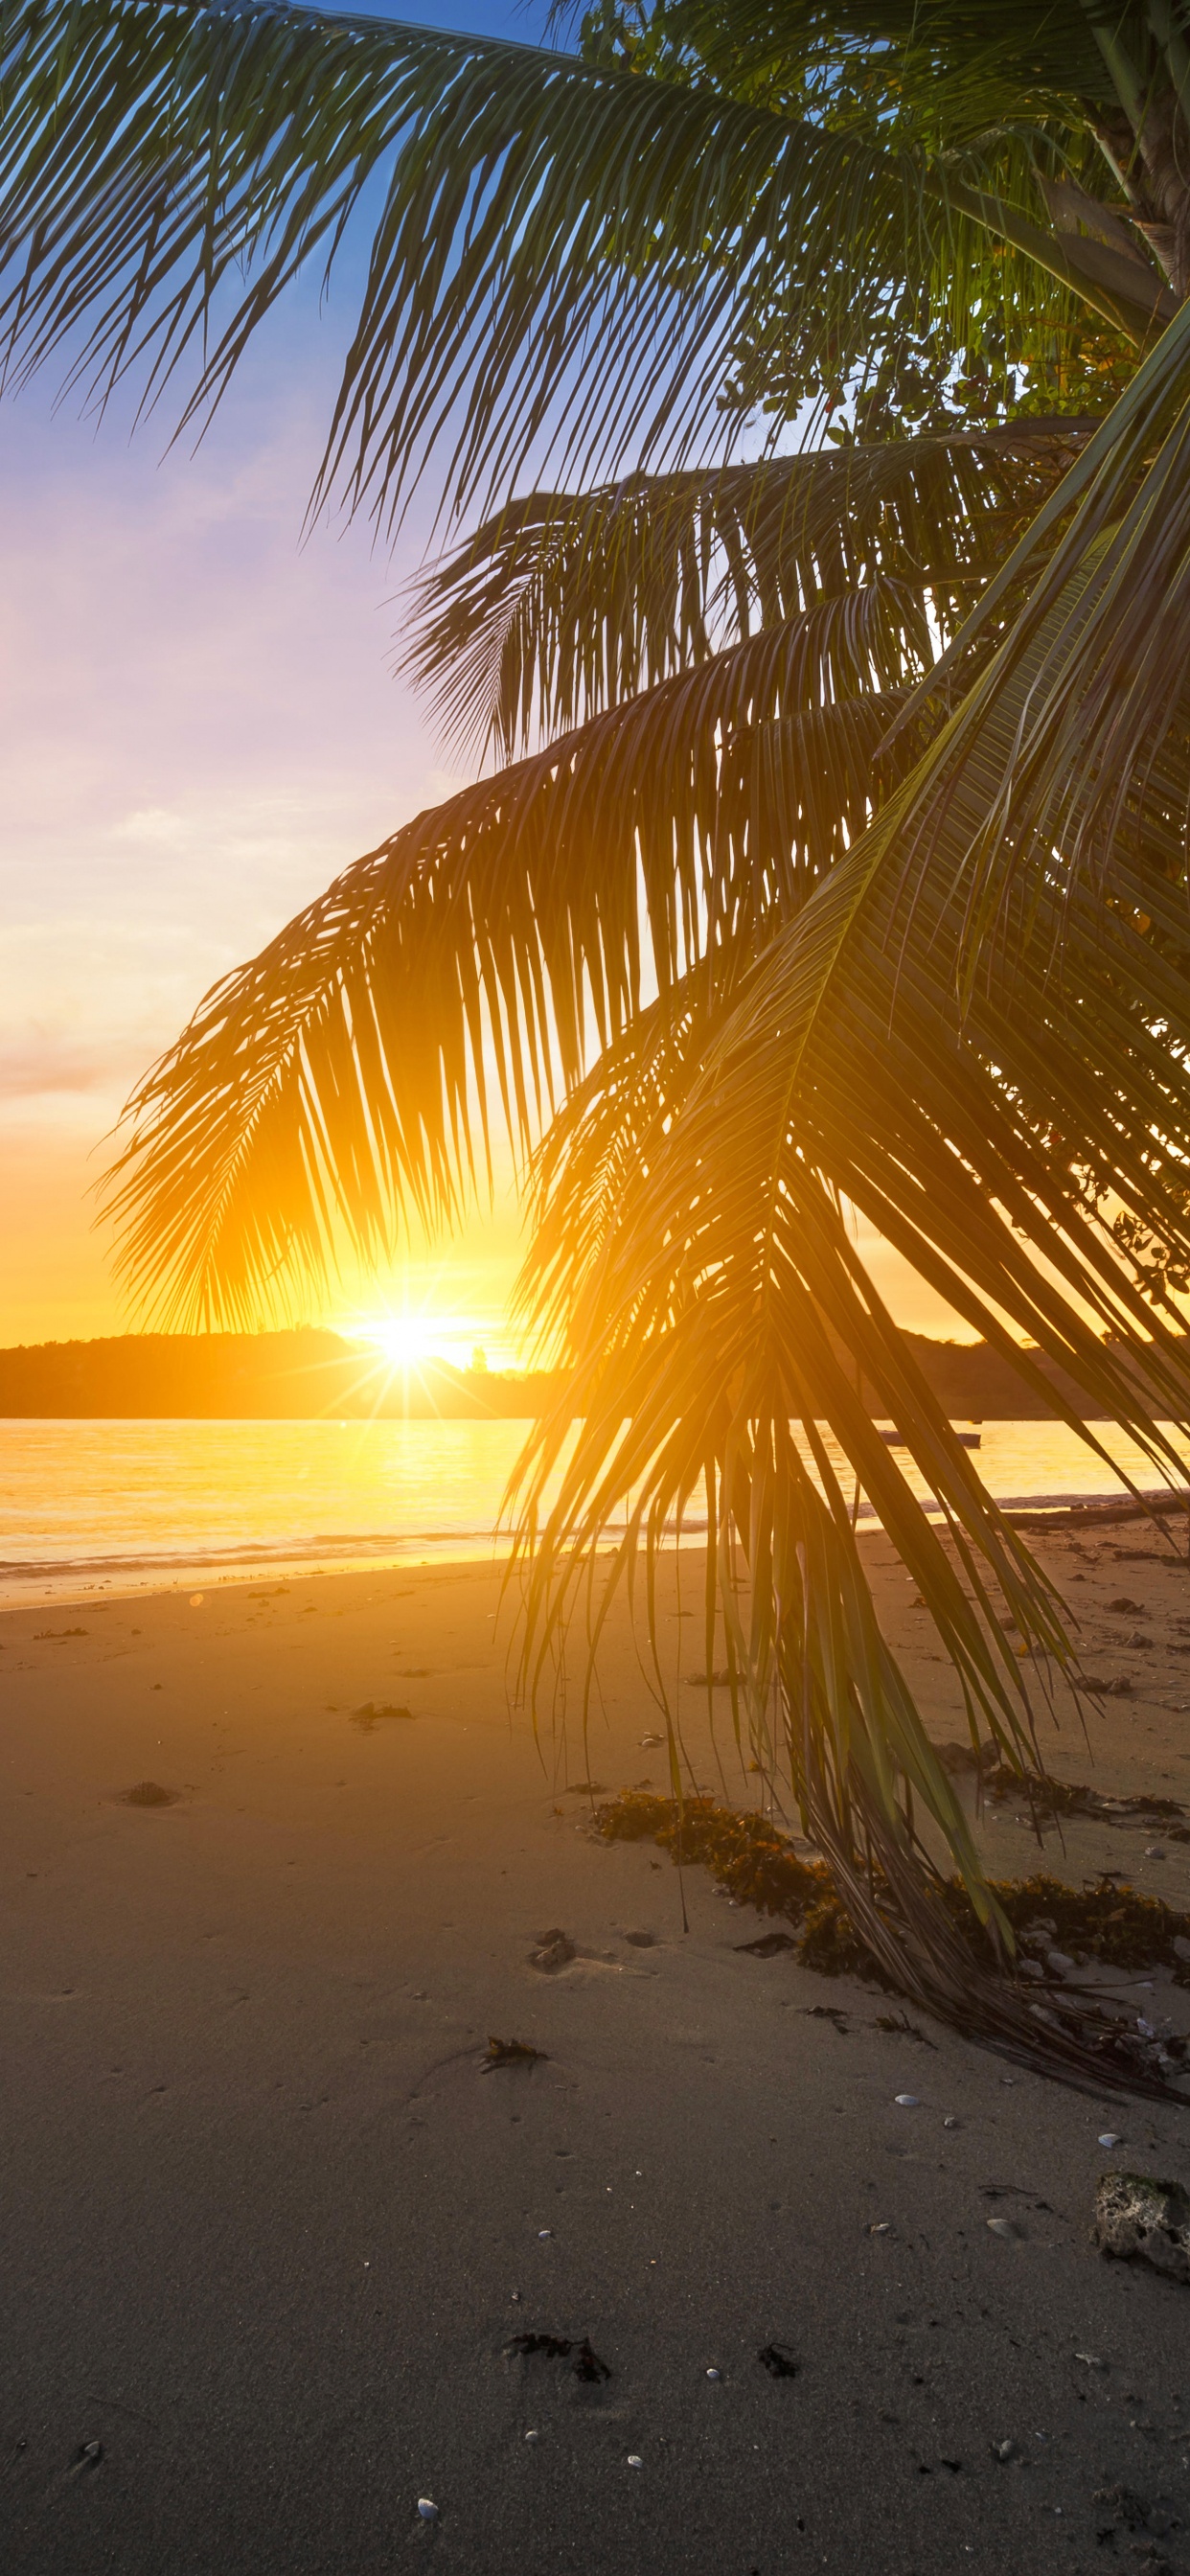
560,252
569,602
856,873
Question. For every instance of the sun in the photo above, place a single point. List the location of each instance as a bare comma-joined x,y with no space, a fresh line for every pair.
406,1340
410,1337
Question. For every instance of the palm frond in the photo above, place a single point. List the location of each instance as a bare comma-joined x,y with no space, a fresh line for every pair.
971,67
566,603
992,1105
561,256
469,965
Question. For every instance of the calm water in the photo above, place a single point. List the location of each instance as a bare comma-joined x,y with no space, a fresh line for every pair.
120,1505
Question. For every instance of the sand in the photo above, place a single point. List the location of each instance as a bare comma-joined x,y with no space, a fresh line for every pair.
270,2226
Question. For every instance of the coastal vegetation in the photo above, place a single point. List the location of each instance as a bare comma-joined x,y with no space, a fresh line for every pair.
804,387
302,1372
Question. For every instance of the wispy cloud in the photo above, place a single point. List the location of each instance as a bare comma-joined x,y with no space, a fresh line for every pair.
35,1066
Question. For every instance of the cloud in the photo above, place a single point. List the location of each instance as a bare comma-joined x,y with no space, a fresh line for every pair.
152,826
34,1067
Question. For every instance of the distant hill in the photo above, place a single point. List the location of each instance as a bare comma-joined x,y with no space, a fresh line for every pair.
294,1375
251,1377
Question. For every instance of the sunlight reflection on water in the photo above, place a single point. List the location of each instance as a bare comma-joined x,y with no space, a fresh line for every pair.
116,1505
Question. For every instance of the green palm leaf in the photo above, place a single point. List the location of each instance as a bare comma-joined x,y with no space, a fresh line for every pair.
983,1103
561,252
566,603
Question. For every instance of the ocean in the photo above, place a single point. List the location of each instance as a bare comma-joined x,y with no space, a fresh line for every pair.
128,1506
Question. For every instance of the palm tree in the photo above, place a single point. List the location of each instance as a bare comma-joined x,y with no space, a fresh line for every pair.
835,850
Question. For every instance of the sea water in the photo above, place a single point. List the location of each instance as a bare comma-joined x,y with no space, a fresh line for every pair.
119,1506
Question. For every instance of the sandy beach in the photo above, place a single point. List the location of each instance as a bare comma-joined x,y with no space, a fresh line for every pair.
271,2226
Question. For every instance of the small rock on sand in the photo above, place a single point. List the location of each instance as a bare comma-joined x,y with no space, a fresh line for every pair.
1138,2218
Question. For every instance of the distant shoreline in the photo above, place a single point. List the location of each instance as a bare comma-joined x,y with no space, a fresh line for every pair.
311,1375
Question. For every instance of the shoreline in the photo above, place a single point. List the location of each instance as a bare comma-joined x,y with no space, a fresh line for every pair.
123,1578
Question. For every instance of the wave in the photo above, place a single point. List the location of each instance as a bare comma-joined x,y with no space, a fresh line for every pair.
339,1547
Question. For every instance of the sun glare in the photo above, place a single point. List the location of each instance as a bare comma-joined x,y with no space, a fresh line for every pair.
405,1340
416,1336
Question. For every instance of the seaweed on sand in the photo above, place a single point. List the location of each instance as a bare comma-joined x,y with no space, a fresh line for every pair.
1102,1921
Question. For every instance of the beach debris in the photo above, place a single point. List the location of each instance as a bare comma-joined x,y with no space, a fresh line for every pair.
542,2234
902,2028
427,2509
532,2435
371,1713
1003,2228
752,1862
710,1681
585,2363
825,2012
1091,2360
649,1742
197,1599
511,2052
1138,2218
769,1946
1005,2451
554,1950
907,2101
1050,1798
950,2121
1125,1602
1154,1851
778,2360
635,2461
879,2227
40,1634
1109,2138
88,2456
585,1789
714,2374
1106,1685
149,1793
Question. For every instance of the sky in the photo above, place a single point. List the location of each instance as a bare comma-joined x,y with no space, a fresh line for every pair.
199,726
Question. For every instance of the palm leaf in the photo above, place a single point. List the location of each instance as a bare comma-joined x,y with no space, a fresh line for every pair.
985,1110
566,603
560,254
474,957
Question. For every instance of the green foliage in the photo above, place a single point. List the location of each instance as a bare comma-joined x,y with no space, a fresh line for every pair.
953,343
